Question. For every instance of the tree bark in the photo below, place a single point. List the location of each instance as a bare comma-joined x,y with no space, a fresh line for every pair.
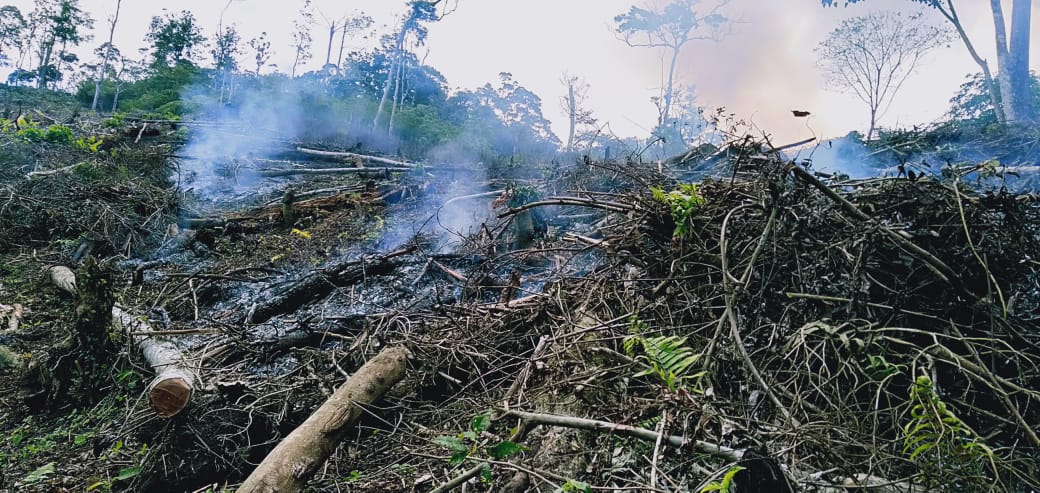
1018,61
1007,95
950,13
171,389
296,458
572,111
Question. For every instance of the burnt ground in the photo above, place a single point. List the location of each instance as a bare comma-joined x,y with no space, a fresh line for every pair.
788,331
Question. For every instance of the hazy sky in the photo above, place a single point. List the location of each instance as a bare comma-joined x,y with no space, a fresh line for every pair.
764,69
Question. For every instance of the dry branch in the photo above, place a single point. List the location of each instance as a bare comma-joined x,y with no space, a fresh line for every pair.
727,453
171,389
296,458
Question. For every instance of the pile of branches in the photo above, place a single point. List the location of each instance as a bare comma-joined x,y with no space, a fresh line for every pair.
797,333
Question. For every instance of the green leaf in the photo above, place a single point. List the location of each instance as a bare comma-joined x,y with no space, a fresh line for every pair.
39,474
459,450
486,476
128,472
505,450
572,486
481,423
468,435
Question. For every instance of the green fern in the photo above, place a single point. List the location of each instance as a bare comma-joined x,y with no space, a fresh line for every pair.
667,357
936,439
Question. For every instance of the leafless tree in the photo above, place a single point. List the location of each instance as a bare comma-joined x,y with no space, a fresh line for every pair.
873,55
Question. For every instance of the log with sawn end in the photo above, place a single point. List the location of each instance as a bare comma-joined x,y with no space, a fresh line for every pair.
170,391
319,283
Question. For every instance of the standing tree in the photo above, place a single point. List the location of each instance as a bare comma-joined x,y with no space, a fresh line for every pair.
262,51
671,28
12,25
125,71
872,55
351,26
574,105
174,39
301,36
58,24
227,47
103,69
419,12
1010,92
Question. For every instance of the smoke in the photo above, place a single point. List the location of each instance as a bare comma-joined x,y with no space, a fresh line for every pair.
268,118
843,156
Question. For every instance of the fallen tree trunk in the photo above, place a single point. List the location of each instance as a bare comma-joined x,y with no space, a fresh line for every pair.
170,391
271,173
355,156
320,283
297,457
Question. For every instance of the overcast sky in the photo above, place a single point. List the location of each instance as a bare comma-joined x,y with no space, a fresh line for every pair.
764,69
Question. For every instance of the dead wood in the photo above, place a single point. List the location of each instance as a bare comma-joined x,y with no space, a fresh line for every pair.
13,314
170,390
356,157
51,172
296,458
727,453
320,283
272,173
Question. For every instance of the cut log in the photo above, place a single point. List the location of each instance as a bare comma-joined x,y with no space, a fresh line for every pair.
321,282
296,458
170,391
355,156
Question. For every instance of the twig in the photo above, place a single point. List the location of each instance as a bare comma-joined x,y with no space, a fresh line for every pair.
931,261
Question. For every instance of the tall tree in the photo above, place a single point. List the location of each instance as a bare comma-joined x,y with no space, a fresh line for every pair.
58,24
225,49
352,26
1009,92
301,36
103,69
671,28
872,55
261,51
12,27
412,24
574,104
174,38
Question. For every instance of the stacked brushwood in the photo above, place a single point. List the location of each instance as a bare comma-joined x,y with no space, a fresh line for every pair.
820,334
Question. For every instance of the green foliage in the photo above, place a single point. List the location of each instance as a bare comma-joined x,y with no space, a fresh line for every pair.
725,484
683,202
174,38
937,440
667,357
117,120
574,486
466,443
91,143
974,102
